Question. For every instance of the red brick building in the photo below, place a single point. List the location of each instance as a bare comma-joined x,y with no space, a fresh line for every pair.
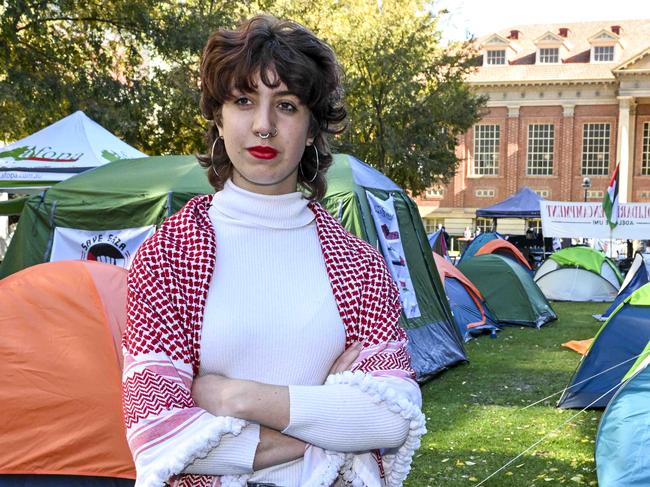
566,102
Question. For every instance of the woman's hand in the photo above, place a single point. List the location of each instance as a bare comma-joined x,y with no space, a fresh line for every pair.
346,359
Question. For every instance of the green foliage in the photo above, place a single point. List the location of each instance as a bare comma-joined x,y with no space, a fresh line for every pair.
475,419
132,65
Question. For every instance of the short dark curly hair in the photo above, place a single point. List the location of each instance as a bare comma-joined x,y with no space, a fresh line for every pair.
279,51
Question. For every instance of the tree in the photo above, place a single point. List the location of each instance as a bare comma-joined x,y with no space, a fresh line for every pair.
131,65
406,93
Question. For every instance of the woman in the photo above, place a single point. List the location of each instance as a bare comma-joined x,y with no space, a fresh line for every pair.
262,344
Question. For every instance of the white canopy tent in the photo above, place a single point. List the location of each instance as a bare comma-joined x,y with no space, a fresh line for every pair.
72,145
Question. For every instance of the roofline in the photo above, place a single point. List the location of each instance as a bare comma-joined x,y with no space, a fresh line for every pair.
543,82
631,59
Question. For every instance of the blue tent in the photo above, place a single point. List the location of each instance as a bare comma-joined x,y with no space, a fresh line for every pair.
478,242
471,314
637,276
620,340
523,204
623,438
438,242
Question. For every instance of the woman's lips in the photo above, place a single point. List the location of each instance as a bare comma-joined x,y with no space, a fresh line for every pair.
262,152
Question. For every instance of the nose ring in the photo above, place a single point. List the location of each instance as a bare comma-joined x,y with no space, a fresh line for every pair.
267,134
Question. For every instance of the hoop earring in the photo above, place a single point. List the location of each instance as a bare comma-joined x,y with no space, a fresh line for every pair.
212,151
317,167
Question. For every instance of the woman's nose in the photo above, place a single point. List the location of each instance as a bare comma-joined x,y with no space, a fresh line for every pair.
264,120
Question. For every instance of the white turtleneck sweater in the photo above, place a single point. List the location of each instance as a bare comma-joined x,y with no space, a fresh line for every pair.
271,317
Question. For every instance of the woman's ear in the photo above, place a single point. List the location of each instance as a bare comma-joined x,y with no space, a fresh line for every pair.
310,141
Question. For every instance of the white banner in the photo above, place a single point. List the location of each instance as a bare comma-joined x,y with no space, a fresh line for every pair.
567,219
115,247
385,218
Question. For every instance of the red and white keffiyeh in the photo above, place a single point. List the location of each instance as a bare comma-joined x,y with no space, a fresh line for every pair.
167,290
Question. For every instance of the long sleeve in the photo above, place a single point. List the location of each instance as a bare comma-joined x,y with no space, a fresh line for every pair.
234,455
344,418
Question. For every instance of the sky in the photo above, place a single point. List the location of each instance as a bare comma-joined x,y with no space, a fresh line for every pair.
480,17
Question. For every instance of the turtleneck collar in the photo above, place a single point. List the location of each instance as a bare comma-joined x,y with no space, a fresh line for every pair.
271,211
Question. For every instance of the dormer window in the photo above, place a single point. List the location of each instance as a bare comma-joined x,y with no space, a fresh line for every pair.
549,55
603,54
551,47
498,50
605,45
495,57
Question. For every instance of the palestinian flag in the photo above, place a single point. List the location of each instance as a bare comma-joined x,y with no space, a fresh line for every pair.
610,200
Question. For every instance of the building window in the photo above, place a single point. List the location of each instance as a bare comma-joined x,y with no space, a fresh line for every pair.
645,157
595,149
486,149
541,141
484,224
549,55
595,194
496,57
431,224
435,192
603,53
543,193
535,224
485,193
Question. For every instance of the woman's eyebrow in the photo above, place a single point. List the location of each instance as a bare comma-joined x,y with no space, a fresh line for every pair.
286,93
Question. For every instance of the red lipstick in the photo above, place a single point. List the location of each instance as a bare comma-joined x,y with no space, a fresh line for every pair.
262,152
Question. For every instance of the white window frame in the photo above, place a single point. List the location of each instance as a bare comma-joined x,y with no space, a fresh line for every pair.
546,57
645,150
492,55
486,149
596,144
597,54
434,192
541,149
485,224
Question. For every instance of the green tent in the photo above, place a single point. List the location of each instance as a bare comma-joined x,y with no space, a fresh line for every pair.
509,290
578,274
135,193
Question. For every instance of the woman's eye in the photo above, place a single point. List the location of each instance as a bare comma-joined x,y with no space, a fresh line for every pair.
242,100
287,107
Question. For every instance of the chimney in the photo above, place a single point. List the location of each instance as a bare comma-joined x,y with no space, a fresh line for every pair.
564,32
514,34
616,29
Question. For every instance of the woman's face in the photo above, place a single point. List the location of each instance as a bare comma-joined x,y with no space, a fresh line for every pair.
265,165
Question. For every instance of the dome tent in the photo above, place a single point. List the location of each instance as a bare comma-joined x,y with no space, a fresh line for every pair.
578,274
60,377
622,449
438,242
356,193
133,193
619,341
509,291
505,248
477,242
637,276
471,315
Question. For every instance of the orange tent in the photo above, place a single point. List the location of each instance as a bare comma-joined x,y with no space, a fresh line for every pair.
60,371
503,247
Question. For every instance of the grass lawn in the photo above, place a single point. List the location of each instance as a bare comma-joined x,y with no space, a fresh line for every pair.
474,412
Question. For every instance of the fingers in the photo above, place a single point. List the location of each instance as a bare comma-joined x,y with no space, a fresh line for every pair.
346,359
